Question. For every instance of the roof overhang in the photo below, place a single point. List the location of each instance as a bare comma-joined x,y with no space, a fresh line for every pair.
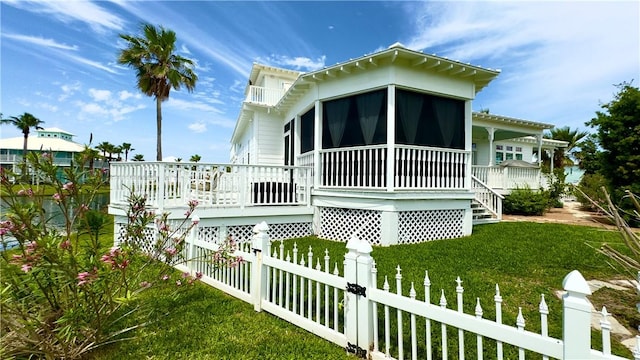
501,120
395,54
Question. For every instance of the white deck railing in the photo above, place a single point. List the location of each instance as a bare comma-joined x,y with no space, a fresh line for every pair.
416,167
499,177
223,185
264,96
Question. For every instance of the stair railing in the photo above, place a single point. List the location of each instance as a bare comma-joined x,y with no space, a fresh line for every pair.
487,197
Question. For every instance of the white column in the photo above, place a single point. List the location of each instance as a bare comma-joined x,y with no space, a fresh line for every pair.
317,144
350,299
539,138
365,308
261,247
391,136
576,317
492,151
467,143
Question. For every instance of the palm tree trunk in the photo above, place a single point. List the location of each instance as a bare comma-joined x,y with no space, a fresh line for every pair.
159,127
24,156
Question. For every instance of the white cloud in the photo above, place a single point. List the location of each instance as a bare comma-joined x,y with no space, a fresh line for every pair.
198,127
90,63
124,95
92,109
559,59
87,12
297,62
185,49
100,95
238,86
191,105
68,90
40,41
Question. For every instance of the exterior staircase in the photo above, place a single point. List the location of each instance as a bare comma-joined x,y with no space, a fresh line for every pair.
482,215
487,205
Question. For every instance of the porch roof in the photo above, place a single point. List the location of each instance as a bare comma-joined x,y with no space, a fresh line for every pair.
500,119
416,59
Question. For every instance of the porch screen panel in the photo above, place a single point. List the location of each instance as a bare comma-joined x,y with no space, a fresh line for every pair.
357,120
307,131
435,121
369,108
336,114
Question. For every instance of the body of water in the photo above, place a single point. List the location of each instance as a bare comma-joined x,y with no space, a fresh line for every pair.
53,212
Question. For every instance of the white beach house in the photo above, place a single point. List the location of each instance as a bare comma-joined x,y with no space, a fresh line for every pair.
384,147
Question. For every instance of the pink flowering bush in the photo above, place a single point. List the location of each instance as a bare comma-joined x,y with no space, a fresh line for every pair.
66,290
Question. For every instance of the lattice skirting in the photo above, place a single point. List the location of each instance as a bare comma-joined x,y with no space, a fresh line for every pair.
240,233
419,226
340,224
244,233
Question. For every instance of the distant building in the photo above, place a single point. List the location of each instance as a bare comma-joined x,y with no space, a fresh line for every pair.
59,143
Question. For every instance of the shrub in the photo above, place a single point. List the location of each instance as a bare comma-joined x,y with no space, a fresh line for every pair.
590,187
526,202
64,291
557,187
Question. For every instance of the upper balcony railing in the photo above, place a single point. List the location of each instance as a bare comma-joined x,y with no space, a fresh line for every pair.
217,185
264,96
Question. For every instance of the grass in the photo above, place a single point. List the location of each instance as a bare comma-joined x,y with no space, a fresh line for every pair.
525,259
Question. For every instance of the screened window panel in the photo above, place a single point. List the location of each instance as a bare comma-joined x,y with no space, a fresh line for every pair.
307,131
429,120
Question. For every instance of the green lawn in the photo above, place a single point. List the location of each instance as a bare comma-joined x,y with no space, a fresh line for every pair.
525,259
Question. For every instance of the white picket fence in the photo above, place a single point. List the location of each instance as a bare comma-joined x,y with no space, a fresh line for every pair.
346,307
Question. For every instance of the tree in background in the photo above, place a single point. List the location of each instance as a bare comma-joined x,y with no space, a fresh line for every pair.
565,157
158,68
138,157
24,122
195,158
104,146
618,134
126,147
589,155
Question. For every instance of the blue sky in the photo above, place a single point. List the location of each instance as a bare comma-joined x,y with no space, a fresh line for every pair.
559,60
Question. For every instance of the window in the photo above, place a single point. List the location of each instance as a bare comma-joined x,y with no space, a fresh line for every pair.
506,152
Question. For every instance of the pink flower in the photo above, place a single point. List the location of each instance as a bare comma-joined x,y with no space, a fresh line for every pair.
193,203
171,251
65,245
165,277
68,186
26,267
22,192
84,207
198,275
185,275
178,282
57,197
46,155
145,284
85,278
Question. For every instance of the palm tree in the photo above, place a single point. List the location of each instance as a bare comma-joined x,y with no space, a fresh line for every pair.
563,157
104,147
24,122
126,147
117,150
158,68
138,157
195,158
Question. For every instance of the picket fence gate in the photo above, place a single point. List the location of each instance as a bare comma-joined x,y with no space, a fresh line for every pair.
350,311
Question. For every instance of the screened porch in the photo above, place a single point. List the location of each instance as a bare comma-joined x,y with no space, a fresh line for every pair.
388,139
